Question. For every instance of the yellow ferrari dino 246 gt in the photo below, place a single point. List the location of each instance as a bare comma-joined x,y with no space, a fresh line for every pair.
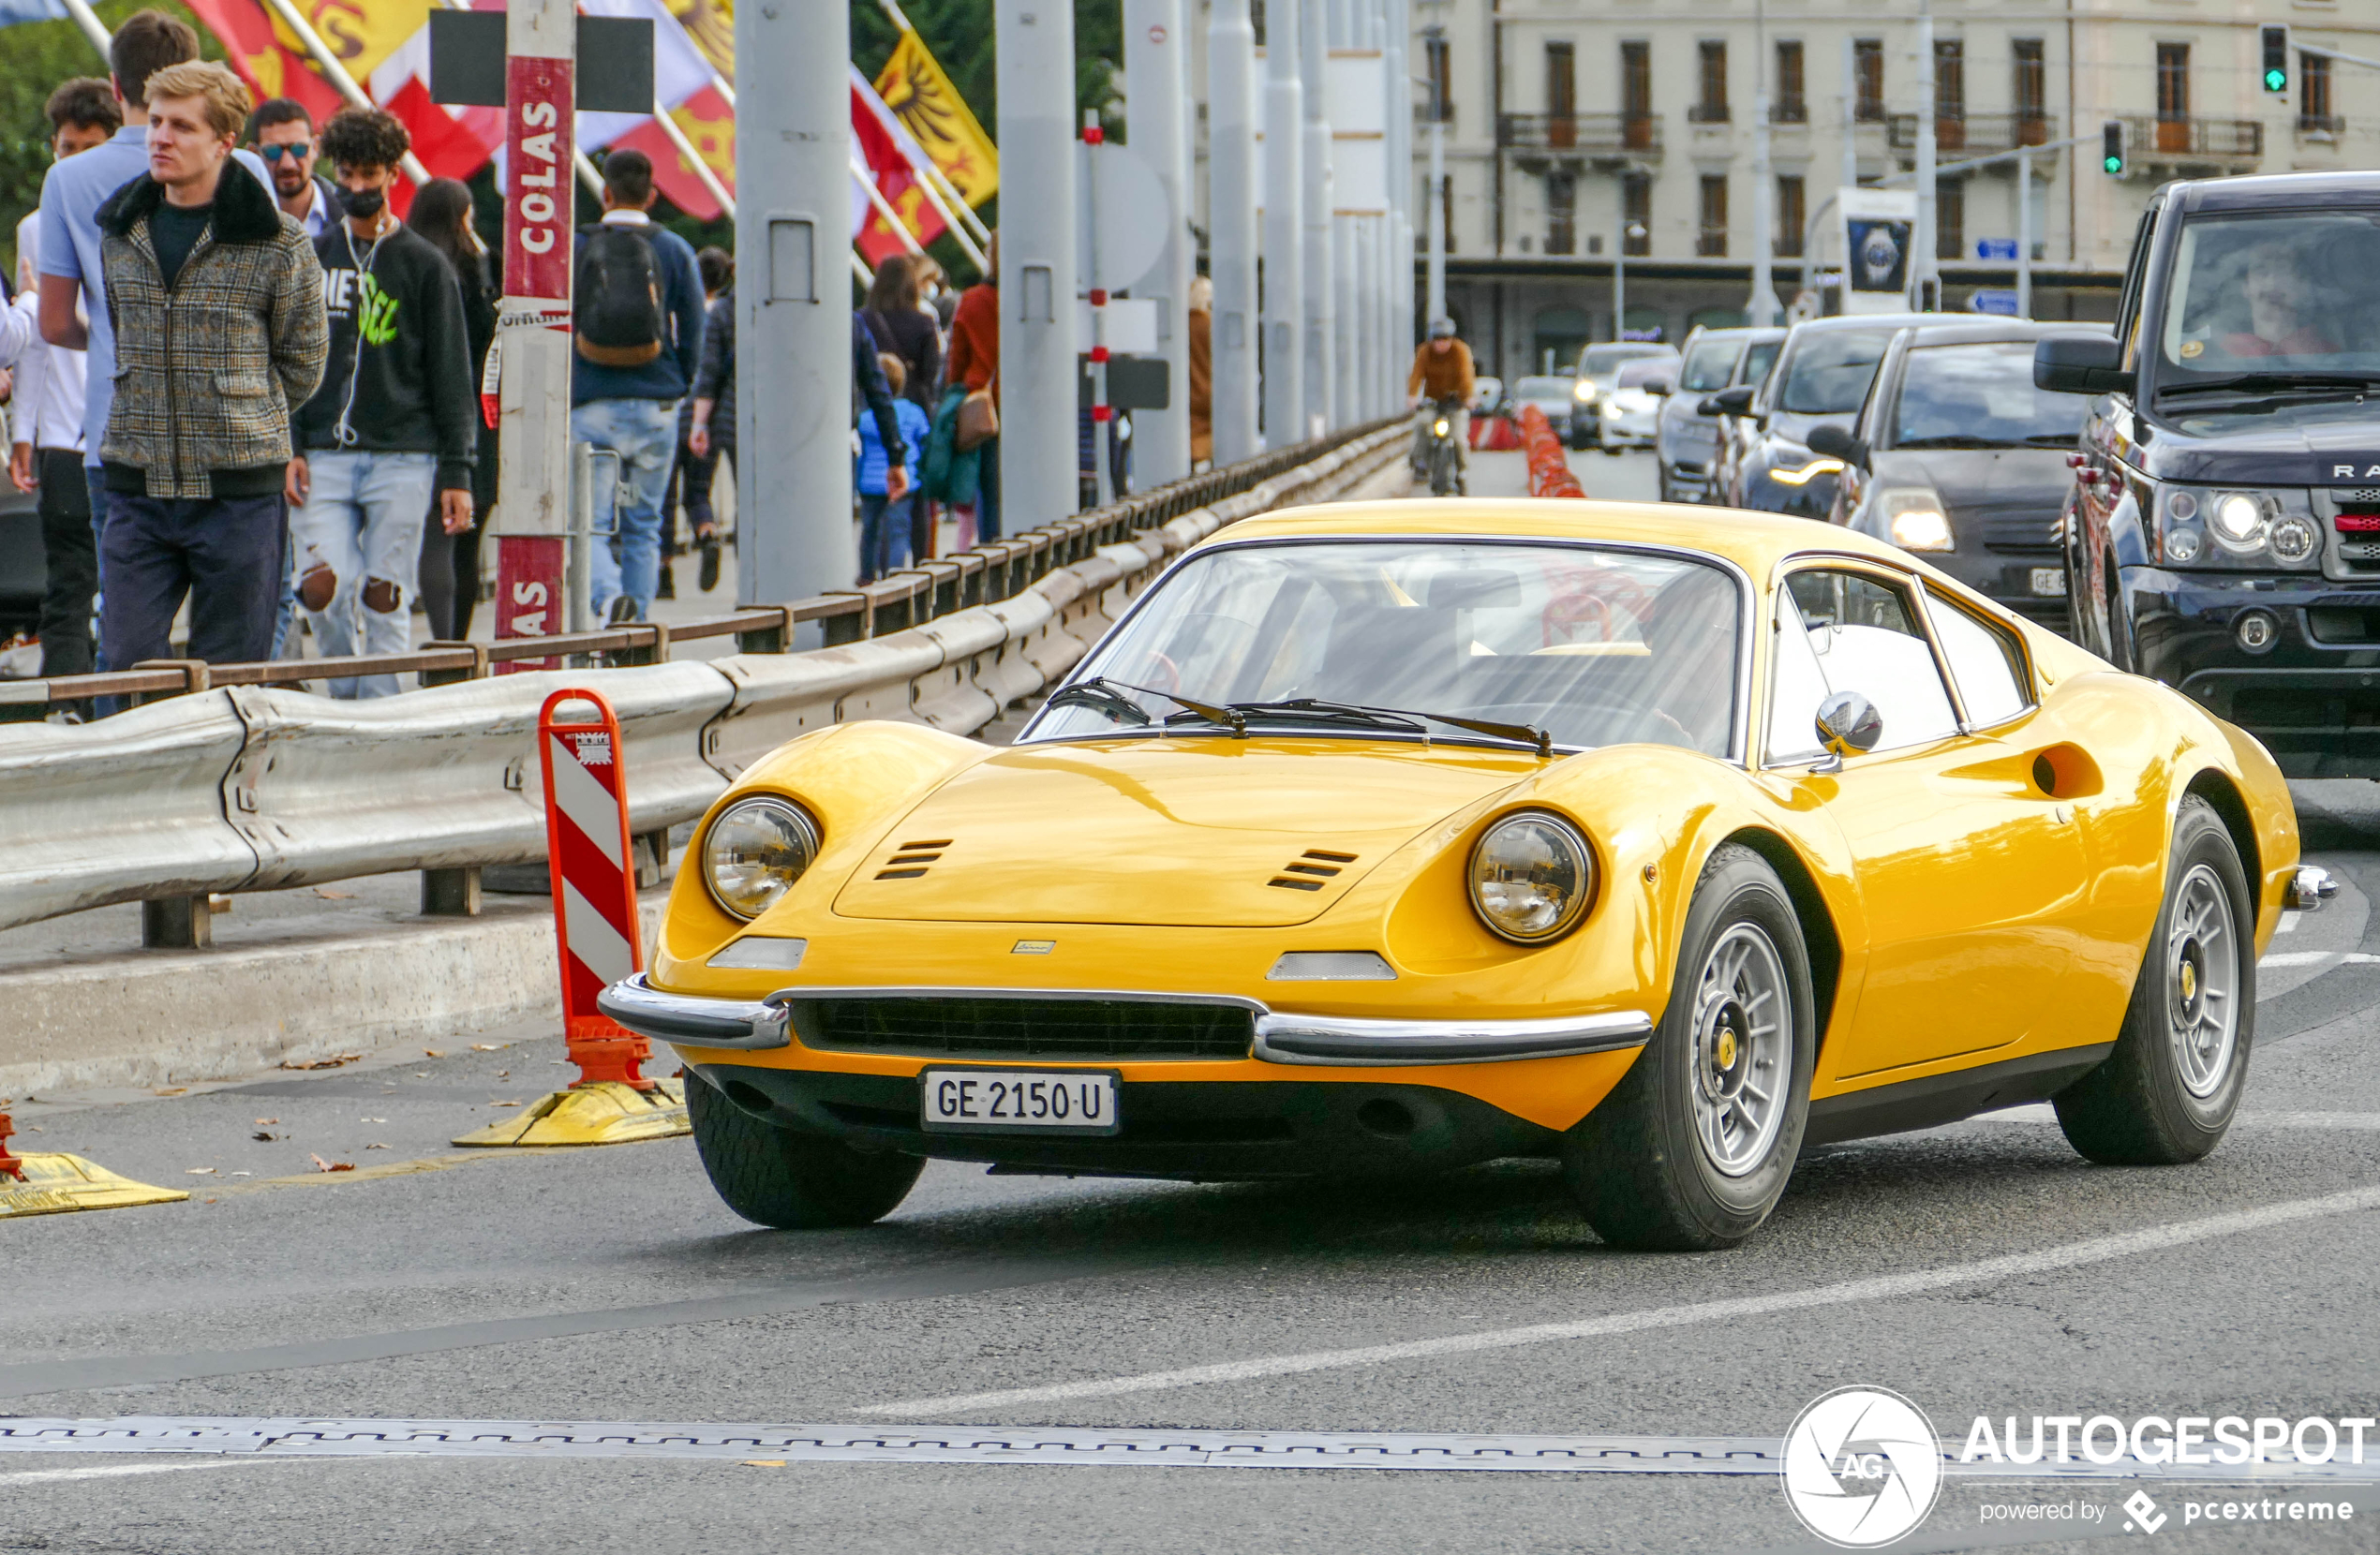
1665,842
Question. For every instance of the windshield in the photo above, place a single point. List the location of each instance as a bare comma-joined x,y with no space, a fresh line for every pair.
1603,360
1708,365
1636,374
1595,646
2273,292
1831,368
1759,359
1982,394
1543,388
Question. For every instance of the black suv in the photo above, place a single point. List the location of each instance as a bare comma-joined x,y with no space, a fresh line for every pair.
2222,534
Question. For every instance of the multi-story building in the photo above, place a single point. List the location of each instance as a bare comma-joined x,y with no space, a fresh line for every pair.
1569,123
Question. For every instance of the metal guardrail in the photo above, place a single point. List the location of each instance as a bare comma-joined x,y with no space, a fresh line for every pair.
243,785
997,569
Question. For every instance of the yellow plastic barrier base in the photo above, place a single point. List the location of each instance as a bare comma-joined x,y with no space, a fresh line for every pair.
605,1113
57,1184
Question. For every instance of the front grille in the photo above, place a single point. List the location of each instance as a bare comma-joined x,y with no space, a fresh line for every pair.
2027,532
1048,1029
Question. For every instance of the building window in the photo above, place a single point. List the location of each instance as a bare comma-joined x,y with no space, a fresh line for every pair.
1636,96
1950,218
1867,78
1710,242
1434,52
1561,213
2031,92
1711,107
1793,214
1950,79
1561,96
1446,209
2314,94
1636,215
1792,106
2173,81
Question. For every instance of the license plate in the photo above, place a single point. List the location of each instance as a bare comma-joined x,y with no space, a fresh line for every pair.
2051,581
1019,1101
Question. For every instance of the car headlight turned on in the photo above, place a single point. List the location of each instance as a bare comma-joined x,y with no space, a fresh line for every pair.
2239,521
1532,875
754,852
1583,391
1914,520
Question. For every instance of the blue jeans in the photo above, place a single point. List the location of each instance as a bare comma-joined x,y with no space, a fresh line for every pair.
884,534
987,494
358,545
644,432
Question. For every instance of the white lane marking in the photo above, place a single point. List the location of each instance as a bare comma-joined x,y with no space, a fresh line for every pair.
109,1471
2288,923
2318,958
586,804
2096,1250
2042,1113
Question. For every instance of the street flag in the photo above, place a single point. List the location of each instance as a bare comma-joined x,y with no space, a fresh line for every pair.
893,160
912,85
14,11
451,140
710,126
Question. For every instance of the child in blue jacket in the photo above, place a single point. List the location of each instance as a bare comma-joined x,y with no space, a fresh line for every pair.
884,523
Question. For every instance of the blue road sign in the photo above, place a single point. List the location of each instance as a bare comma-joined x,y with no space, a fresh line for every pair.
2004,249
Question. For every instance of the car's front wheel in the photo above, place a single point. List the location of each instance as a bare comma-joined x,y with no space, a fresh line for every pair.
782,1177
2167,1094
1693,1147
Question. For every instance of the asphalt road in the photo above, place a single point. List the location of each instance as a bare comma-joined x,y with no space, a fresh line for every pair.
610,1285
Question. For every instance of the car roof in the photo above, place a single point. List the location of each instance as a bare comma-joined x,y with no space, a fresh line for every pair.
2005,330
2277,189
1754,333
1863,321
1754,541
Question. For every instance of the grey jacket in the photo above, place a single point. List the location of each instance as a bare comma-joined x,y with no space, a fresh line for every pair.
209,370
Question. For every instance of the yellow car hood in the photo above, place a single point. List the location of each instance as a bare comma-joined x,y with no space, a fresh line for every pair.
1206,832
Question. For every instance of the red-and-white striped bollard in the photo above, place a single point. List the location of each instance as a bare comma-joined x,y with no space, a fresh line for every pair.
593,866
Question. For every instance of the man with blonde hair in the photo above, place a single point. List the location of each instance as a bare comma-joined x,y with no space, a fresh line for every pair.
217,301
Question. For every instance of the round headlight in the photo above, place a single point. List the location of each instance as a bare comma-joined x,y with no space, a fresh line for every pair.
754,852
1532,875
2239,520
2182,544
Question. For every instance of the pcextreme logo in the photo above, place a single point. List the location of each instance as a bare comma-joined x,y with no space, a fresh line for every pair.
1861,1467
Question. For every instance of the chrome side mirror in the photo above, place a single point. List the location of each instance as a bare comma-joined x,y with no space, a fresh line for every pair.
1847,723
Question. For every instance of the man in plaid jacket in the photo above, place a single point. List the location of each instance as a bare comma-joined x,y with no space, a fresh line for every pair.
220,334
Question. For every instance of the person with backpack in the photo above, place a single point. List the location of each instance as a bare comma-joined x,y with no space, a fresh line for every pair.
637,321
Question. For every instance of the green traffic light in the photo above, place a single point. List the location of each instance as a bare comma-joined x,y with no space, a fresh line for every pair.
2115,164
2276,81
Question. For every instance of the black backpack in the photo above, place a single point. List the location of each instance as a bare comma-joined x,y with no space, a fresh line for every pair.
616,310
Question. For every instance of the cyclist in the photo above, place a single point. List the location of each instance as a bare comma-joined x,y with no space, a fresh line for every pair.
1441,372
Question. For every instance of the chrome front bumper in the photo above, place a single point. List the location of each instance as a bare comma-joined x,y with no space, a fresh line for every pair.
691,1020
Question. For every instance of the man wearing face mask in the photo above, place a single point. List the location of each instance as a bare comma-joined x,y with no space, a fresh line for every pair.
394,418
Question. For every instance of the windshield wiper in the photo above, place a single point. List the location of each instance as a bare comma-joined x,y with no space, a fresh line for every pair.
1395,718
1957,439
2274,383
1102,695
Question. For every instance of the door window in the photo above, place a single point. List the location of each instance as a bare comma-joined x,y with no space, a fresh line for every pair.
1848,631
1984,662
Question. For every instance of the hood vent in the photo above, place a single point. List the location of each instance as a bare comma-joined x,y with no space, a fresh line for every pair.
1309,870
910,859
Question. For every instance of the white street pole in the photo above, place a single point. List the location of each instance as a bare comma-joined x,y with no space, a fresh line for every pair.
1619,277
2024,237
1763,302
533,337
1095,283
1156,72
1435,214
1317,198
793,310
1924,279
1400,174
1232,229
1284,229
1038,393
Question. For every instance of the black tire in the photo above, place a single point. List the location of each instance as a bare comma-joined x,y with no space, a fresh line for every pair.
795,1181
2138,1108
1637,1164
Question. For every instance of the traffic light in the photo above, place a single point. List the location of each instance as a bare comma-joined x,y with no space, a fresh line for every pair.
2111,147
2276,41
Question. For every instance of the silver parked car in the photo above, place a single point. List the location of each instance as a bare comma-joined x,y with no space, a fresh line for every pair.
1687,441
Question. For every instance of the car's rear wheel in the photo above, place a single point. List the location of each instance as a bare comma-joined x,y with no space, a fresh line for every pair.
2167,1094
782,1177
1693,1147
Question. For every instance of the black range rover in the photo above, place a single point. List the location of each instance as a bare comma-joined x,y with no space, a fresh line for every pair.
2224,531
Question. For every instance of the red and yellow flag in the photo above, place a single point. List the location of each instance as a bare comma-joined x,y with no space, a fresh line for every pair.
913,87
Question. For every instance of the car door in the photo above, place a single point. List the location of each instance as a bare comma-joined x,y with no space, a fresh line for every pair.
2100,473
1970,876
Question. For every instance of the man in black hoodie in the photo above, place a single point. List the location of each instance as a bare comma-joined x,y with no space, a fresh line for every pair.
392,420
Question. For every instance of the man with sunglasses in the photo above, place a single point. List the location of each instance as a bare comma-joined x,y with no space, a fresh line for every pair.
283,134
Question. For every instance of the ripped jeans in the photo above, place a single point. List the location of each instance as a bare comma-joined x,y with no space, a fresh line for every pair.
358,545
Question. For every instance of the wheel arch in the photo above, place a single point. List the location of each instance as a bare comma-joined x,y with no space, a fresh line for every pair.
1825,941
2224,796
